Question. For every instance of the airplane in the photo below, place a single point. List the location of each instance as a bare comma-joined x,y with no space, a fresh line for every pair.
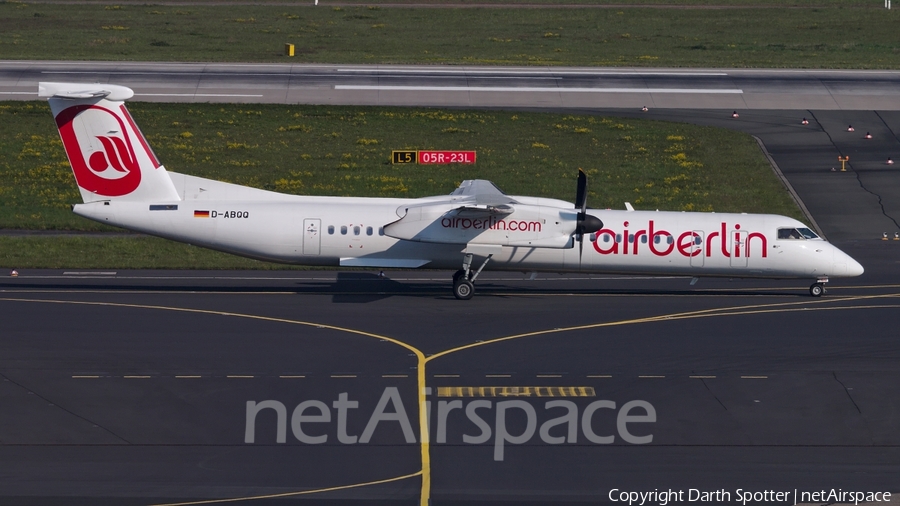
477,226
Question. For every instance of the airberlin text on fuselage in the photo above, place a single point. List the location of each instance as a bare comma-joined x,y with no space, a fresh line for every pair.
736,243
491,224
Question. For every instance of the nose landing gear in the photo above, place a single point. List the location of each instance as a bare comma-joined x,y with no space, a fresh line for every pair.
817,289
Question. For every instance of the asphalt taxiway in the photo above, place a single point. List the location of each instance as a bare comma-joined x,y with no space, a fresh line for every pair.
133,387
471,86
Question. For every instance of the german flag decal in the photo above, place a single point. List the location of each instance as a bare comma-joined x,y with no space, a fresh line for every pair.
201,214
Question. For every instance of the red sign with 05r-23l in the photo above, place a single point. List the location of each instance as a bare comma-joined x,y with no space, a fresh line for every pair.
437,157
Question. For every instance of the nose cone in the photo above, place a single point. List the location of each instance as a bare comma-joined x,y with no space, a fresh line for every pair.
854,268
846,265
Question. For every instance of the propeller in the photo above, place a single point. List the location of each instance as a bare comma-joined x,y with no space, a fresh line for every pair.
586,223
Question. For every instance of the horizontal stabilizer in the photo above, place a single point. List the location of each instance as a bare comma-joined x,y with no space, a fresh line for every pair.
77,90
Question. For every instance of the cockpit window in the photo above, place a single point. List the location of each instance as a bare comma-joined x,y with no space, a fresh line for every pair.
807,233
796,233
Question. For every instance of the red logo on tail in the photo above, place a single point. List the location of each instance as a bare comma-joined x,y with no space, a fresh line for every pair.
112,170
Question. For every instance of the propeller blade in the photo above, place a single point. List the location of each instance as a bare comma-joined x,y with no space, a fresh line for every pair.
581,205
581,192
585,223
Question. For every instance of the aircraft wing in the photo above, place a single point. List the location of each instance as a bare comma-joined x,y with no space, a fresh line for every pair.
481,192
479,213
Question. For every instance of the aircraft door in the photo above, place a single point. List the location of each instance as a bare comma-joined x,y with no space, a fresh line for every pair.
739,257
697,249
312,236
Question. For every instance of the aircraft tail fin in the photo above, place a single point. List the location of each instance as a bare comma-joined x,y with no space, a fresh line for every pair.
108,153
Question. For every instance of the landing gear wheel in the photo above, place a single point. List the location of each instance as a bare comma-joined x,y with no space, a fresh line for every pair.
817,289
463,289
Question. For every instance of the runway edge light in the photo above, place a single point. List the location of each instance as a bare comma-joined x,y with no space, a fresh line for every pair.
14,273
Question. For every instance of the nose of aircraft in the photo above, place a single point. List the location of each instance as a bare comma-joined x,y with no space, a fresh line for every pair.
853,267
844,261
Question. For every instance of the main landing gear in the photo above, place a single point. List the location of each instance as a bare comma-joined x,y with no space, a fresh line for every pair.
817,289
464,279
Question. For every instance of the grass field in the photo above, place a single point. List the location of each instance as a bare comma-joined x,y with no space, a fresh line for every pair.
324,150
345,151
827,34
529,3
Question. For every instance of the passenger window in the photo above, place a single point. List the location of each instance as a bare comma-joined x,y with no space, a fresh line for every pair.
380,230
606,237
643,239
356,230
343,229
656,240
670,239
618,238
330,229
630,239
369,230
697,240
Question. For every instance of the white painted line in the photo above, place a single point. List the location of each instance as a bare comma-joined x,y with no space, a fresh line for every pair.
534,78
18,93
75,273
536,71
172,72
537,90
192,95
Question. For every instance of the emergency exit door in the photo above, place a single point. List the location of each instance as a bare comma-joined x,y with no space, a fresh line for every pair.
312,236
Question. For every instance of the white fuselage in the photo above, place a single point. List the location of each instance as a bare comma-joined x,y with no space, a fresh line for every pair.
349,231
